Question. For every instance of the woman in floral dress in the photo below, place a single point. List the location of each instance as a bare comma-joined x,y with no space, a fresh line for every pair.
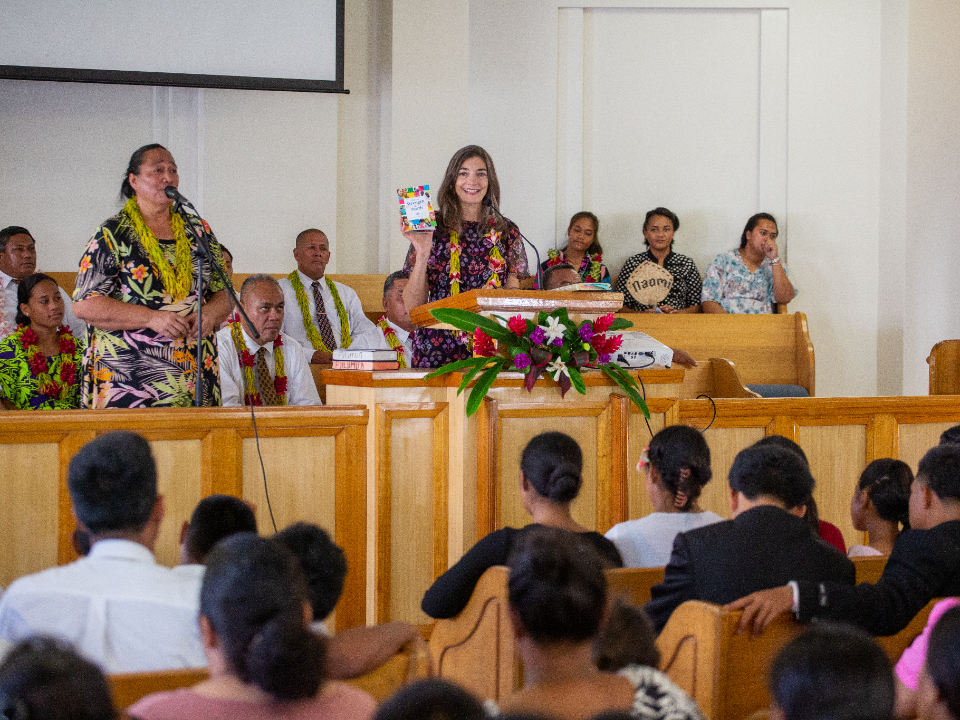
472,247
137,289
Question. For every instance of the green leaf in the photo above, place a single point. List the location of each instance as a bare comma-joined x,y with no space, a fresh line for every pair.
454,367
483,386
620,323
576,379
470,321
473,372
615,373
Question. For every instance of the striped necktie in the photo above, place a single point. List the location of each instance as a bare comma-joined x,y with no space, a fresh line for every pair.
323,322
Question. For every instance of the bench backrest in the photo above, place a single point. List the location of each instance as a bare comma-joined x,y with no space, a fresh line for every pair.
944,362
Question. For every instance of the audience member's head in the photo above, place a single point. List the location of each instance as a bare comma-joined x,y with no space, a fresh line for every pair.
585,226
884,486
831,671
323,562
42,678
938,690
557,589
262,300
227,261
626,638
553,464
214,518
771,472
393,304
950,436
681,458
18,252
560,275
113,485
938,473
312,253
782,442
46,294
252,614
432,699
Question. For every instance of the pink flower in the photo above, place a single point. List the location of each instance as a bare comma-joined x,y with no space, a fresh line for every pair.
602,324
483,344
517,325
521,361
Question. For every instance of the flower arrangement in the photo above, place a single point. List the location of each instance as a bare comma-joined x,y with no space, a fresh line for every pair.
550,344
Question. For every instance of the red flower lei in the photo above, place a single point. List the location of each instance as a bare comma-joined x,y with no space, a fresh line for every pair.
248,361
59,385
594,263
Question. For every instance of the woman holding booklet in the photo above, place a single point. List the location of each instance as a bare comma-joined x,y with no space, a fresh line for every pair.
473,246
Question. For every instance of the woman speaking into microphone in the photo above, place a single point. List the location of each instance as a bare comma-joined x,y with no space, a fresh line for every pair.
137,288
472,247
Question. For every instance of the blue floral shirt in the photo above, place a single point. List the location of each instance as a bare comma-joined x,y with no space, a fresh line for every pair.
730,283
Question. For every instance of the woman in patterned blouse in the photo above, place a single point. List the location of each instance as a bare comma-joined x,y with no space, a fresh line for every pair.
658,229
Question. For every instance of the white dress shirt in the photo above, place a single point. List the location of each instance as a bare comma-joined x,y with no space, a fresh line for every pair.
405,338
363,333
8,309
117,606
301,388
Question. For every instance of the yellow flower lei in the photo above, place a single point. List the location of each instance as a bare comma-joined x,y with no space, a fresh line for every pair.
176,282
497,263
392,340
313,335
248,362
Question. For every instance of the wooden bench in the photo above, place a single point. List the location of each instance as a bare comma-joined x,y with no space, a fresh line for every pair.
716,378
766,349
869,569
476,649
944,362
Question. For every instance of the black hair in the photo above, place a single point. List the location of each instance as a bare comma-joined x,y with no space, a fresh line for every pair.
553,463
557,586
225,249
785,443
214,518
9,231
626,638
43,678
663,212
323,562
432,699
113,483
548,273
950,436
677,448
391,279
940,468
752,223
773,471
595,246
887,483
25,289
832,671
943,659
133,168
253,595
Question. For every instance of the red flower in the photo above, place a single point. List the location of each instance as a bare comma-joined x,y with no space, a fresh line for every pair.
28,337
38,364
247,359
606,344
517,325
483,344
602,324
68,345
278,342
280,385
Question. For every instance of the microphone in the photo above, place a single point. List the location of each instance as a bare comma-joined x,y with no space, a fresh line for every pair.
171,192
489,203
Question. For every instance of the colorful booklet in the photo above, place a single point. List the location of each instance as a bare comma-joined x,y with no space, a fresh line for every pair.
416,210
365,355
365,365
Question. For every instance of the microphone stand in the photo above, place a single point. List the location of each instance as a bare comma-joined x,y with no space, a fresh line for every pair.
180,203
489,203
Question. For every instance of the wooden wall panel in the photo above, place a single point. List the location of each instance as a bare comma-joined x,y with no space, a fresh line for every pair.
178,480
837,457
725,443
915,440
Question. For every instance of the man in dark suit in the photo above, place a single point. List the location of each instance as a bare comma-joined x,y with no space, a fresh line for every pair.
766,544
924,564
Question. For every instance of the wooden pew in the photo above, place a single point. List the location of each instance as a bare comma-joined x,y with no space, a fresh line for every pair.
476,649
944,362
716,378
767,349
128,688
869,569
894,645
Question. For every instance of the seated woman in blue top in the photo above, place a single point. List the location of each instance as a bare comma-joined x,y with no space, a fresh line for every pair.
676,466
550,479
751,278
583,249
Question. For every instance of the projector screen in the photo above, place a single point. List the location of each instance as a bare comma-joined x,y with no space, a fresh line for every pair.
242,44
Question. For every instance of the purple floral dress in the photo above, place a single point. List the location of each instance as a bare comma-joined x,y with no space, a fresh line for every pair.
434,348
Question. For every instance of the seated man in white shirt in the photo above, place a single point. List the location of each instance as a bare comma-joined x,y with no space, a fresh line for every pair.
272,370
337,321
117,606
396,322
18,259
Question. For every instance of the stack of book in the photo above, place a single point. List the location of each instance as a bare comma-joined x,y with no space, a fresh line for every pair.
360,359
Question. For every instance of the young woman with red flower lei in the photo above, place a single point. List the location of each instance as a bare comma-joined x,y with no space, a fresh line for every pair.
583,249
472,247
39,362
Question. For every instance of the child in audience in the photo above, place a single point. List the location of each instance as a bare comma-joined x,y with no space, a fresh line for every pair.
432,699
833,672
627,638
264,660
45,679
911,662
880,505
938,691
557,593
675,466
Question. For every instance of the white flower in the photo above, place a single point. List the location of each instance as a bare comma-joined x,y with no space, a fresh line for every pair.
554,329
558,367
